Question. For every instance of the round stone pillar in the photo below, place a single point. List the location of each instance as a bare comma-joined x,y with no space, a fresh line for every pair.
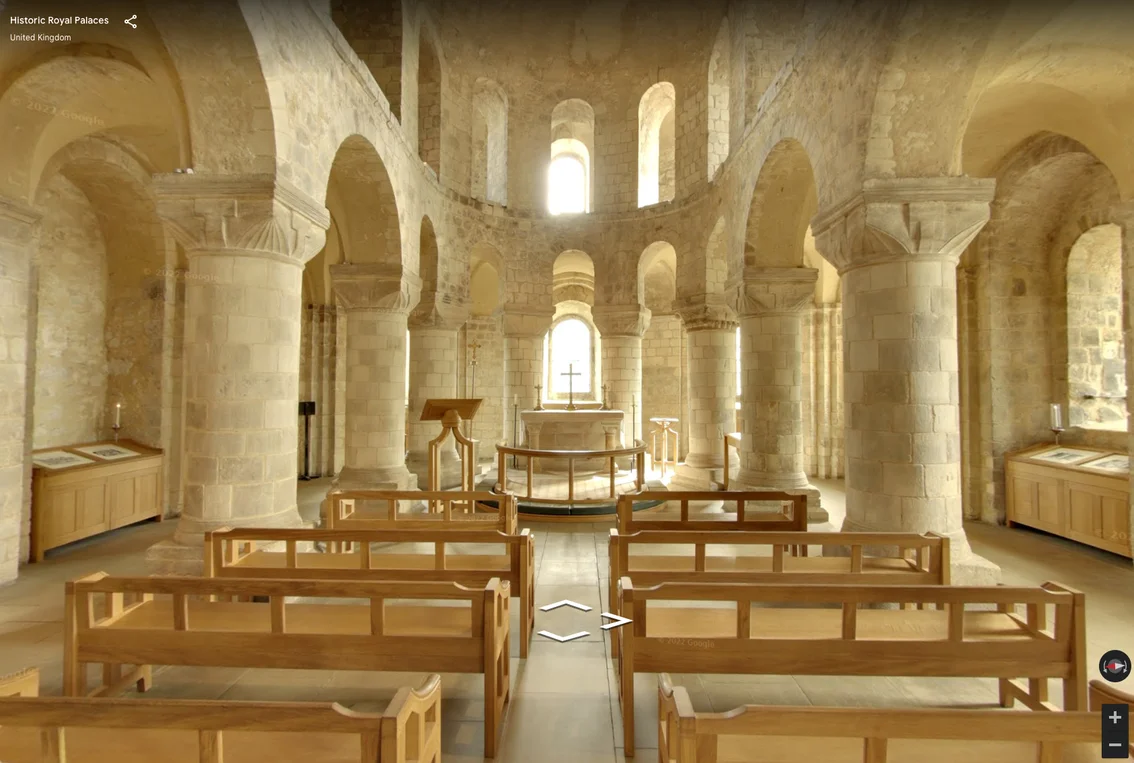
710,355
770,304
1124,216
242,303
19,226
377,301
433,357
897,248
621,328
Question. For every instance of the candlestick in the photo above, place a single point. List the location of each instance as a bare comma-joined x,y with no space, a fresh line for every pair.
1056,416
117,415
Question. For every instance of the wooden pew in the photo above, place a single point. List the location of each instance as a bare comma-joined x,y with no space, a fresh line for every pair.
791,518
771,734
915,560
97,730
247,553
450,510
1103,693
24,683
854,640
120,621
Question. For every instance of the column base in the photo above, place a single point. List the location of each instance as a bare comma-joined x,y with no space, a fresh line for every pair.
388,478
816,514
184,553
418,466
967,568
686,477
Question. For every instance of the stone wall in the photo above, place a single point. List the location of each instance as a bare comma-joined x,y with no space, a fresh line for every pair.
663,373
71,315
320,381
488,427
823,391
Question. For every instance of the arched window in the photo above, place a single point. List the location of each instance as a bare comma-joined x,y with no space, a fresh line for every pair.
719,76
1096,355
656,142
490,142
570,349
567,185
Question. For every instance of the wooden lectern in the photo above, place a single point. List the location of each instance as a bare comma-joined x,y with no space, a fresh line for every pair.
451,412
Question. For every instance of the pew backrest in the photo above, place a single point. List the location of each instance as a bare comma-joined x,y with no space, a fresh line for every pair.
447,509
23,683
754,510
408,730
853,735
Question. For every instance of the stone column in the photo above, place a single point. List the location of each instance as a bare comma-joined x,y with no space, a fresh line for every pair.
377,300
1123,215
524,331
710,354
19,228
770,303
433,373
622,327
897,246
247,238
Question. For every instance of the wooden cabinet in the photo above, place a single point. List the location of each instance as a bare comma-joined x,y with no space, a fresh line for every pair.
96,494
1073,491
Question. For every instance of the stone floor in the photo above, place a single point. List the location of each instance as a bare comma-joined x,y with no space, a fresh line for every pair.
564,707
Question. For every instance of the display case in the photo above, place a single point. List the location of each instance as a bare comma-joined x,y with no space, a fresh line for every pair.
1073,491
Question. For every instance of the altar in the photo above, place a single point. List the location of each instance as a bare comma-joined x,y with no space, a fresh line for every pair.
560,429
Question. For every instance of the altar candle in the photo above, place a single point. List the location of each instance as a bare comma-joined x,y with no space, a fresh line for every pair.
1056,416
118,414
515,400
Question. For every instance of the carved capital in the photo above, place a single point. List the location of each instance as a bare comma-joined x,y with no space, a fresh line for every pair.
621,320
704,314
375,288
904,217
775,290
439,314
526,320
258,214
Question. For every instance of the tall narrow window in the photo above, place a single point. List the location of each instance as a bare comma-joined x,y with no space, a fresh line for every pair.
490,142
570,170
656,145
429,106
570,347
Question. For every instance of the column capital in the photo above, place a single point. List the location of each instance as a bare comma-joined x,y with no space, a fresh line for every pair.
259,214
439,314
527,320
621,320
19,224
375,288
898,218
775,290
705,313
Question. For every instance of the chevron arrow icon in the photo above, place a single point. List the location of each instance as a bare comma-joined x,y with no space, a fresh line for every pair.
618,621
563,639
565,603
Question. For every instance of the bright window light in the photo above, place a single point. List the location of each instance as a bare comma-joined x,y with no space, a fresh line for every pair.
571,344
567,186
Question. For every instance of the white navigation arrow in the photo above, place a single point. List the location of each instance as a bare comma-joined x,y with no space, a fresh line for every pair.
565,603
617,621
563,639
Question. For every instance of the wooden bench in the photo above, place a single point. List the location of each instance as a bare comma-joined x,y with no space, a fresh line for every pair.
120,621
350,555
88,730
449,510
915,560
787,518
772,734
854,640
1103,693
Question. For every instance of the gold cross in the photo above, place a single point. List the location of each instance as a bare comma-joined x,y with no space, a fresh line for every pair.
474,347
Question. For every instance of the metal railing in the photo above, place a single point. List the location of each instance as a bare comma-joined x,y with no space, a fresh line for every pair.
531,455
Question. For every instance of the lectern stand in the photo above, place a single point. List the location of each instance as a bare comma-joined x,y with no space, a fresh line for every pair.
451,412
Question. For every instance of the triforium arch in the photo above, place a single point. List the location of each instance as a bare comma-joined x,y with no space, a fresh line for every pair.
361,196
489,180
657,166
430,77
572,141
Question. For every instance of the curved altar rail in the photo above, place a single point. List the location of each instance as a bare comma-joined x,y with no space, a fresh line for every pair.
530,455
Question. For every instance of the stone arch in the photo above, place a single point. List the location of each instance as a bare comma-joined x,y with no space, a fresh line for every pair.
573,277
657,277
490,142
429,88
360,192
783,203
429,267
573,135
720,66
486,279
657,145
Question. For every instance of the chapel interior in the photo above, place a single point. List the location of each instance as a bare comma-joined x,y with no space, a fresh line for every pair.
868,260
